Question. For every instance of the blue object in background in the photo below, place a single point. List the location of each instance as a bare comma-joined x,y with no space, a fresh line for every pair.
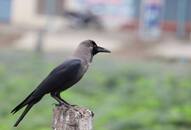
151,16
5,10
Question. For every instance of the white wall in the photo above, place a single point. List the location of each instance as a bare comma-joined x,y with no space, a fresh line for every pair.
24,12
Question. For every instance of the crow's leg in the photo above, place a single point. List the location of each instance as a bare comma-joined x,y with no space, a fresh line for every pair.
57,97
65,101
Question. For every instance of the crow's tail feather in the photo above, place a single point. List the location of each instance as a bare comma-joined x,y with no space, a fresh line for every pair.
22,104
29,106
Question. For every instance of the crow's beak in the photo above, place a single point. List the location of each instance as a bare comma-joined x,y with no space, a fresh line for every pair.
101,49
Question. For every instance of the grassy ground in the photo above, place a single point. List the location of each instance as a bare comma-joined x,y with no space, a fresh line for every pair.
124,95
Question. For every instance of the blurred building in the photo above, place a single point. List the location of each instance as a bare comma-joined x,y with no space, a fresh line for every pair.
122,14
29,13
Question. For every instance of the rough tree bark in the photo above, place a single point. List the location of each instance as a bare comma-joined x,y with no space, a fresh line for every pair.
74,118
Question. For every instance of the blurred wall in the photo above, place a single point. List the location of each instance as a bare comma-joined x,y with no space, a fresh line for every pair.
33,13
24,13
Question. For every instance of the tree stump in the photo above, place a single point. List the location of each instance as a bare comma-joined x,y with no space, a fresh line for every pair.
74,118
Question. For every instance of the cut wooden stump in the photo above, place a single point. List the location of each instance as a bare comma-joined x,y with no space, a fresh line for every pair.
74,118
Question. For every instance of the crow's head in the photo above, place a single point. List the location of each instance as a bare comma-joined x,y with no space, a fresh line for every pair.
93,47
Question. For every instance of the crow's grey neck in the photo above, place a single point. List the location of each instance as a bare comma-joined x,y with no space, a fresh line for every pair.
83,54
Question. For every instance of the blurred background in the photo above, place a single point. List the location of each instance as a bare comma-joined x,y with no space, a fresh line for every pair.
144,84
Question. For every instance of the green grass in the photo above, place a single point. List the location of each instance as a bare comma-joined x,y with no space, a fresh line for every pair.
124,95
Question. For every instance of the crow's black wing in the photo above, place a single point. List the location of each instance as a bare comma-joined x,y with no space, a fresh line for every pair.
69,65
63,72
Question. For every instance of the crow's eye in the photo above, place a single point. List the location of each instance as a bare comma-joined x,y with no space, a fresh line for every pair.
93,44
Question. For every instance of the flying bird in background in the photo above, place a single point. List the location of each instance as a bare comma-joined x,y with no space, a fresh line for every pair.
62,77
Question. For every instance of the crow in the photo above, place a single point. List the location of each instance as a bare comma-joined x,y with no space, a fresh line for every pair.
62,77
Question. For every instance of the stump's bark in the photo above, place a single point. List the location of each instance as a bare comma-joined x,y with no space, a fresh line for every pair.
74,118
